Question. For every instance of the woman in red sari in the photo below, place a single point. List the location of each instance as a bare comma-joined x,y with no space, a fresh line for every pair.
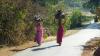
60,32
38,30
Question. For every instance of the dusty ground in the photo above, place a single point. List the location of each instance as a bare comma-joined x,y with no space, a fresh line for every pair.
91,46
8,51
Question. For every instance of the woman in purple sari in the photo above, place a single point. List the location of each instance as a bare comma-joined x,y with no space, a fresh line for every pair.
38,30
60,32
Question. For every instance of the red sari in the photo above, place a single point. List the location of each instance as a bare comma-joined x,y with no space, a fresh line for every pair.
60,34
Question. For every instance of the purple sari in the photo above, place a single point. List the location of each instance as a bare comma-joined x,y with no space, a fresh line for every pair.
39,33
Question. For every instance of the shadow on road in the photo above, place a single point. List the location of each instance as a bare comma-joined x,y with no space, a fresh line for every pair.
93,26
37,49
16,49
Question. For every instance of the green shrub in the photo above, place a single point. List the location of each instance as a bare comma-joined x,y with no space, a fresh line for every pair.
76,19
12,22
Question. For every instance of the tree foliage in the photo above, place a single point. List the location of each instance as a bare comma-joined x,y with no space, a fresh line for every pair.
92,4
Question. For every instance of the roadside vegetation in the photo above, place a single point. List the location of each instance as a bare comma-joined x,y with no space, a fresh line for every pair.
17,24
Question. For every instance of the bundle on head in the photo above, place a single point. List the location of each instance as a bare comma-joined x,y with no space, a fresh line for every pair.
37,18
59,15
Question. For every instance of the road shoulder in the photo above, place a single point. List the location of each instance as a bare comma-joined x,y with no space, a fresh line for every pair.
91,47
